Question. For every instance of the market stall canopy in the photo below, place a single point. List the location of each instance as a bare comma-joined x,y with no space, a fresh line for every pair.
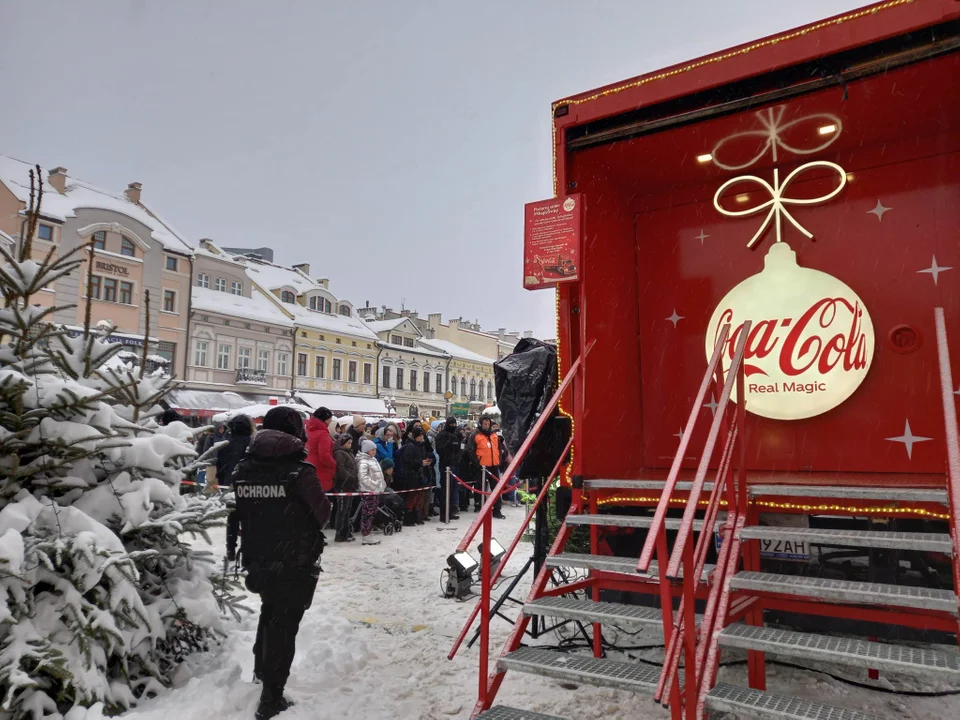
344,404
205,403
256,412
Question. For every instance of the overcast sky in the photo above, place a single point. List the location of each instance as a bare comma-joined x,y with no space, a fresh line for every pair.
390,144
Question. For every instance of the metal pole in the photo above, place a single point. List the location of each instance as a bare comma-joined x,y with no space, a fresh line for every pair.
447,498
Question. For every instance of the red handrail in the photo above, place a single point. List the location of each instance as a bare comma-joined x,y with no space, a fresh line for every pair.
953,445
660,514
518,459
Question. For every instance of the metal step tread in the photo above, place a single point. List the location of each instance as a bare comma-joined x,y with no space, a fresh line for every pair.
853,493
609,563
743,701
845,591
608,484
508,713
587,669
928,542
635,521
638,616
846,651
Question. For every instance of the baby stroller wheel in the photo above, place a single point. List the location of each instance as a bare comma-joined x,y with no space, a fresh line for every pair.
398,526
388,529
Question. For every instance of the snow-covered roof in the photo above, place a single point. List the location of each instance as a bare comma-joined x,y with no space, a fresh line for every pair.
274,277
344,403
8,241
461,353
205,400
258,307
379,326
418,349
316,320
14,174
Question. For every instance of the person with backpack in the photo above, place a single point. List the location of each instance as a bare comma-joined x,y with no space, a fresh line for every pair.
282,510
241,432
449,449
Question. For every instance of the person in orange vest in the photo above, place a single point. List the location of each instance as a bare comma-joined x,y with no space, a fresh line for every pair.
487,447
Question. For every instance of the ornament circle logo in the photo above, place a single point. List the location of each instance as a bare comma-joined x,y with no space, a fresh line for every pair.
811,343
568,204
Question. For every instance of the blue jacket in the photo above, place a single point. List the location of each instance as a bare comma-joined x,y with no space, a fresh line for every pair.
386,450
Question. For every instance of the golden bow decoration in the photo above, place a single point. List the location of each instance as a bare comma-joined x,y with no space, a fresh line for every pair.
778,201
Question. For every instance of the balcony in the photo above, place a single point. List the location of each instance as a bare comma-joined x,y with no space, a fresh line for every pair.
249,376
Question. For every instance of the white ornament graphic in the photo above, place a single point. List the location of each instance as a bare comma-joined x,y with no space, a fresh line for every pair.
879,210
679,434
811,342
712,405
908,439
702,236
771,131
778,199
935,270
675,318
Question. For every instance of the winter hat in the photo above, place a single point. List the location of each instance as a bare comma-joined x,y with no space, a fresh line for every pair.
286,420
366,446
343,439
322,414
435,425
386,464
451,422
359,421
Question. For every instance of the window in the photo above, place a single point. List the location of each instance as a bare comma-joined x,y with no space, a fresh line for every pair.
93,290
426,382
463,387
223,356
200,353
220,285
281,363
413,380
337,369
303,334
302,364
203,280
243,357
327,306
320,367
440,383
109,289
288,297
453,384
473,389
367,373
408,342
100,240
396,340
263,360
128,248
345,310
126,292
399,378
322,338
386,377
236,288
352,371
45,232
167,350
354,343
339,341
312,303
489,390
480,391
171,263
169,301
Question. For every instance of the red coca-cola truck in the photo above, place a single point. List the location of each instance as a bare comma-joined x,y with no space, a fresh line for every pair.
754,353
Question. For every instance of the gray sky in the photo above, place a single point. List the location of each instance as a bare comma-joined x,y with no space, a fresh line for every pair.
390,144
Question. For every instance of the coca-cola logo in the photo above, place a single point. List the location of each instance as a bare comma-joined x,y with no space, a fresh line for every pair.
811,340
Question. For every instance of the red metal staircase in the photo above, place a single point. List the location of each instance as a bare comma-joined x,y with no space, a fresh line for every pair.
735,593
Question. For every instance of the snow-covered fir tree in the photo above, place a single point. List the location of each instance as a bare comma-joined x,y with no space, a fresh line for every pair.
101,594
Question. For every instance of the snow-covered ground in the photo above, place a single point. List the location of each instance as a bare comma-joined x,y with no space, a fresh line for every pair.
374,645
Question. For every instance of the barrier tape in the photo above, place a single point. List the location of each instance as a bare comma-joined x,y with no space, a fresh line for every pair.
227,488
472,488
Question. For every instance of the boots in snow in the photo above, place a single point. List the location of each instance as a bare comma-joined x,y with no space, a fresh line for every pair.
272,703
370,540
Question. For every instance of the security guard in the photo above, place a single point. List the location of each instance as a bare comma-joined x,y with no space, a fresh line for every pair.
282,509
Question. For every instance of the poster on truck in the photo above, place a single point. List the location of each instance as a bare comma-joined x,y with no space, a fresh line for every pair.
551,241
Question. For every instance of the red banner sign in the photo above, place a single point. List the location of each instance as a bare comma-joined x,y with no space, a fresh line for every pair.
551,241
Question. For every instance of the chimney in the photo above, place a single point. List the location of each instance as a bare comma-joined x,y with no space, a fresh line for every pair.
207,244
322,282
58,179
434,318
528,333
302,267
133,192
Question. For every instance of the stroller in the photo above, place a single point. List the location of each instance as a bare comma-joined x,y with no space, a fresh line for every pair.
389,517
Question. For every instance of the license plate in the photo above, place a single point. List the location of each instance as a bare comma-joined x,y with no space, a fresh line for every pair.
779,549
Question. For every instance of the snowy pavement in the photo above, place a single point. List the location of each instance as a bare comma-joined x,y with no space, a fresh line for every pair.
374,645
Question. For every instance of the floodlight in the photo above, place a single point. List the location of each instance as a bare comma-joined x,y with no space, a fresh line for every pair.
496,552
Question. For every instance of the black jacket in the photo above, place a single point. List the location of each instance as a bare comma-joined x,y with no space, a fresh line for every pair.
449,450
345,478
241,430
357,436
281,506
408,473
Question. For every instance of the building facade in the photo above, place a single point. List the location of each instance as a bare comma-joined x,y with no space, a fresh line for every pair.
469,378
413,378
133,252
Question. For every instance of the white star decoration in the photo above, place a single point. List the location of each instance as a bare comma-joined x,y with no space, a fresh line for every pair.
957,391
712,405
879,210
675,318
679,434
908,439
702,236
935,269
